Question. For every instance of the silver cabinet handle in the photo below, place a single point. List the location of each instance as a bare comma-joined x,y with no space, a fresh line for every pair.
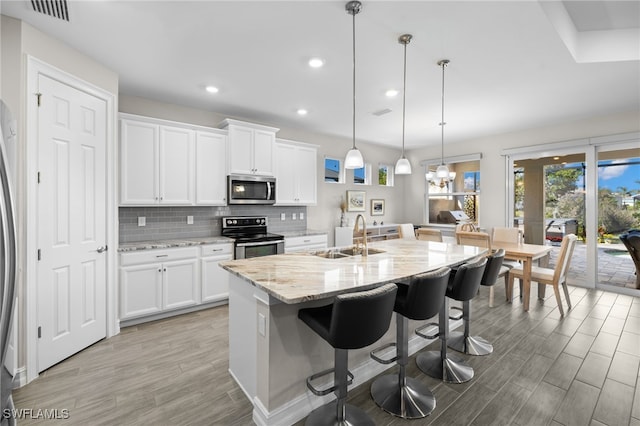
102,249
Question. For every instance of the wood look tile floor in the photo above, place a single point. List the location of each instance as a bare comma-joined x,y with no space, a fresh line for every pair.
545,370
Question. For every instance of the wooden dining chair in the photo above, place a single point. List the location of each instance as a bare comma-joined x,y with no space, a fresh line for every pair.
554,277
477,239
507,235
406,231
428,234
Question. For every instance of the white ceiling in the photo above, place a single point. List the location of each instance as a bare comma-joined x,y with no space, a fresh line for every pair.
511,64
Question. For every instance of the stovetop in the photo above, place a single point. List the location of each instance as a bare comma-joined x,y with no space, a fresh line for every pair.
247,229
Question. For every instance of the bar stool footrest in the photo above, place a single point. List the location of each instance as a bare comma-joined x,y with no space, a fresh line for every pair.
457,316
376,358
419,331
323,392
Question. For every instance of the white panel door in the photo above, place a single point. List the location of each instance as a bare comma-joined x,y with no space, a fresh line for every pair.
211,169
176,166
71,275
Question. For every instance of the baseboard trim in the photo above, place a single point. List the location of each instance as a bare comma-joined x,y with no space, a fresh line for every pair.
20,377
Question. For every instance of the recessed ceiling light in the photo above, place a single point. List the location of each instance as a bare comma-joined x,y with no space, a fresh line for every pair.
211,89
302,111
316,62
391,93
556,158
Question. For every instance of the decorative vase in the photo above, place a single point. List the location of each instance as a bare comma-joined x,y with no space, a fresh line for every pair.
343,220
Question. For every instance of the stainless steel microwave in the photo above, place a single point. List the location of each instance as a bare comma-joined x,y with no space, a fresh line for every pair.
249,189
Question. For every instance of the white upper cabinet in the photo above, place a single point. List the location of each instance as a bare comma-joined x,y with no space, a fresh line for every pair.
250,147
211,168
296,173
156,164
139,163
169,163
176,166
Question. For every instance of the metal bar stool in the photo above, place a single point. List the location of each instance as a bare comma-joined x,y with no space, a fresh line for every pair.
353,321
462,341
452,368
397,394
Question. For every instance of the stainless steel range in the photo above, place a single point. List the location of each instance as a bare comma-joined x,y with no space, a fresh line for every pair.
251,236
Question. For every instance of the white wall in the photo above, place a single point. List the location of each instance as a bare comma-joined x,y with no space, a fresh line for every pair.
492,165
326,214
18,40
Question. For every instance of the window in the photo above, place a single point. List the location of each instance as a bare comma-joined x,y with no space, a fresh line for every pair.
362,176
455,198
385,175
333,170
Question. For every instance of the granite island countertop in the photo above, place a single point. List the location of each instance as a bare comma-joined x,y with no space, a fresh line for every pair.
299,277
182,242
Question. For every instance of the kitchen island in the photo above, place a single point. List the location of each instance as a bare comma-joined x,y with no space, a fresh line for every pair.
271,352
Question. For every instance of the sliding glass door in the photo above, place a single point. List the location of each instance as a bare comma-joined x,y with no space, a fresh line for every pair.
618,211
590,188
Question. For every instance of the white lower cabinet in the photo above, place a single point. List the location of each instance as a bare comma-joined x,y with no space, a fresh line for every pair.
215,280
161,280
140,290
305,243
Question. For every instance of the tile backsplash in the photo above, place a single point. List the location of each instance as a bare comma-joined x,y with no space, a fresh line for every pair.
166,223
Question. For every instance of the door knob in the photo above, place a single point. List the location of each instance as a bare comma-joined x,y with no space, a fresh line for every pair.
102,249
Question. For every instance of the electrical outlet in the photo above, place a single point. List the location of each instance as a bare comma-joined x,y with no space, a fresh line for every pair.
189,220
283,216
301,216
293,216
142,221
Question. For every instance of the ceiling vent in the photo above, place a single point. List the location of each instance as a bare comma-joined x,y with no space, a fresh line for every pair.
54,8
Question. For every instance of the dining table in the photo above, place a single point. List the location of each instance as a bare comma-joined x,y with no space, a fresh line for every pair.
527,254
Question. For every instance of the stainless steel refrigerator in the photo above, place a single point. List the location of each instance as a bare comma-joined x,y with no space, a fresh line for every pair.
8,253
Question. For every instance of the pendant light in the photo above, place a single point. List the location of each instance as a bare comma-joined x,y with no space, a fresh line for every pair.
442,171
354,158
403,166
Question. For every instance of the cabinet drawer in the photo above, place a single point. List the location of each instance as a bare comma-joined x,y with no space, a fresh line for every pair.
216,250
307,240
388,230
158,255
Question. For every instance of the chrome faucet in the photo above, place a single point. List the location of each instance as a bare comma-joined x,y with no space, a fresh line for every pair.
356,229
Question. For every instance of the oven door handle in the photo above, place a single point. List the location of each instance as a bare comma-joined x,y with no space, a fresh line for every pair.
262,243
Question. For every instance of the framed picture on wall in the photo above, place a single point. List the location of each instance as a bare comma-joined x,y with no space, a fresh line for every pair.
377,207
356,201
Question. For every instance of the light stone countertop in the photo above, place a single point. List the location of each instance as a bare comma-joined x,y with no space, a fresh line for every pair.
183,242
304,233
299,277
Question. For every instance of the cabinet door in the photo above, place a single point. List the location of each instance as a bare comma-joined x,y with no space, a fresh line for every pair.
263,152
307,177
211,169
240,150
180,283
140,290
138,163
176,166
215,280
285,166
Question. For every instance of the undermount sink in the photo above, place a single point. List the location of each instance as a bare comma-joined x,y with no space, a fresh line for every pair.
346,252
